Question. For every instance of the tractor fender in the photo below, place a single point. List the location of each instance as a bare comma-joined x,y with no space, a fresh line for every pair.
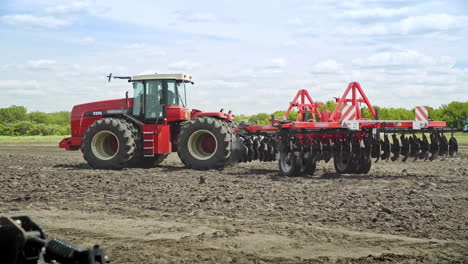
220,115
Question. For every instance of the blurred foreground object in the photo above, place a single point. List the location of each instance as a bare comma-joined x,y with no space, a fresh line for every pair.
22,241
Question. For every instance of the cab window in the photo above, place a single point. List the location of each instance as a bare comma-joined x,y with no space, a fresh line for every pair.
139,96
154,99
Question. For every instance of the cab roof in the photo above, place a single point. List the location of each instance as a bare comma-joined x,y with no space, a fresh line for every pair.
170,76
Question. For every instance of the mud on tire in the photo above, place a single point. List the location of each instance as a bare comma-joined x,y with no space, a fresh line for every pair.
108,144
205,143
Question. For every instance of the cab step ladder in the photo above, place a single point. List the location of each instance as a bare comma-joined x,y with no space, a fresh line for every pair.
148,143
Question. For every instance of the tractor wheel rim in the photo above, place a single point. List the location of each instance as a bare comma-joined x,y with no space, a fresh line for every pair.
105,145
202,144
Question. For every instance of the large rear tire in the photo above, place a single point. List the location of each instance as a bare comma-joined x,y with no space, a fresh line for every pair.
205,143
108,144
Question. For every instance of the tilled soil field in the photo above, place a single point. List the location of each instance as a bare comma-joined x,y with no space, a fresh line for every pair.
414,212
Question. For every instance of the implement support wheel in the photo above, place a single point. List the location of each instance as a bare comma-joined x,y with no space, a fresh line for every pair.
344,163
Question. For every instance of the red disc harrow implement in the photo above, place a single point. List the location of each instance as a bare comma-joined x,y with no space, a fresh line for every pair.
344,135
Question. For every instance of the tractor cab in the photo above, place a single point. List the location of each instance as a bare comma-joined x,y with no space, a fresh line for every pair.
160,98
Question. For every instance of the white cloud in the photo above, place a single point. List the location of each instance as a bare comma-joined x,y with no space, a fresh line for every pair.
291,43
376,12
135,46
327,66
40,64
434,22
190,17
224,84
85,40
407,58
15,84
295,21
410,25
276,63
145,49
70,7
33,21
20,87
183,65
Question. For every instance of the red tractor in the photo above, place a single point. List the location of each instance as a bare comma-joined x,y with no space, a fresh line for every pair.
142,131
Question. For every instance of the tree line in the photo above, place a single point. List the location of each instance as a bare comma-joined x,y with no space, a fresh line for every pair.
453,113
17,121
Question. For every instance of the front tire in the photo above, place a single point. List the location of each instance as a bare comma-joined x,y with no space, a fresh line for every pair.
205,143
108,144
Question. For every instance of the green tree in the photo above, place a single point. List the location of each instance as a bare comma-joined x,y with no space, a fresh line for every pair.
454,114
21,128
59,118
12,114
330,105
260,119
38,117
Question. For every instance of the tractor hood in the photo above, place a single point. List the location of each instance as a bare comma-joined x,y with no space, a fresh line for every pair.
83,115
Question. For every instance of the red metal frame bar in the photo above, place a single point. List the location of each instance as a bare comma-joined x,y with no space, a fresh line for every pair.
335,120
303,107
354,87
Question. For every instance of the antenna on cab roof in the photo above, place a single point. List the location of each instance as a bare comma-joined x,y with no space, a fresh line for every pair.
109,77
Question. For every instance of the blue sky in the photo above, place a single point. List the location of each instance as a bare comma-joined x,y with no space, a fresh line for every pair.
247,56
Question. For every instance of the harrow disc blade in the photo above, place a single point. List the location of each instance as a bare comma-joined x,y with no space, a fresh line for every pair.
385,148
326,150
256,147
444,148
250,154
274,149
405,148
263,151
434,147
375,151
367,145
395,148
355,145
239,150
414,147
346,149
336,147
453,147
424,148
316,149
